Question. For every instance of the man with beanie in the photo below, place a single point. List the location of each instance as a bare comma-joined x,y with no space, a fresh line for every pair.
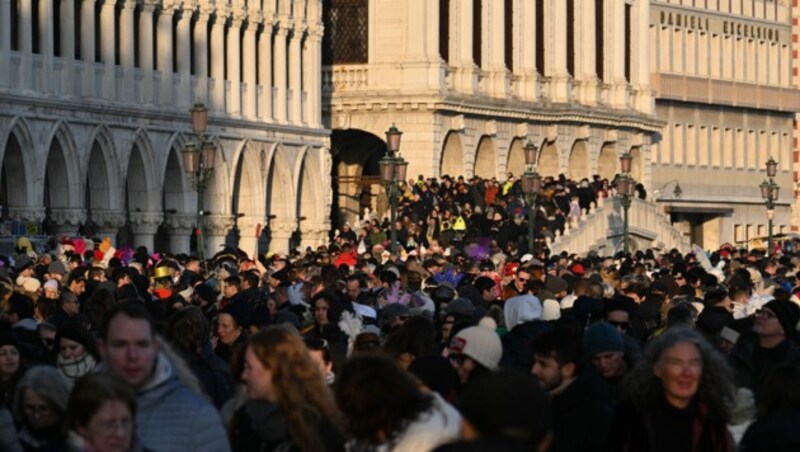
604,345
579,400
476,350
769,344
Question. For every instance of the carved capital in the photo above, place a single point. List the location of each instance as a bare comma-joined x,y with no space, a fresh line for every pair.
129,4
146,222
218,224
168,7
282,228
26,214
179,223
109,219
68,218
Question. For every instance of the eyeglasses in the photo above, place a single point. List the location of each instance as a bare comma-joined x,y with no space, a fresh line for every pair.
112,425
766,314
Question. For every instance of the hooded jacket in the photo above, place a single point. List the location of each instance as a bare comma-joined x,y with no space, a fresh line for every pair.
171,417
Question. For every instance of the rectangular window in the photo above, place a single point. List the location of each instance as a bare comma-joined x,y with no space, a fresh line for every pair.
716,147
444,30
540,66
346,36
508,44
628,38
571,37
728,148
477,32
599,38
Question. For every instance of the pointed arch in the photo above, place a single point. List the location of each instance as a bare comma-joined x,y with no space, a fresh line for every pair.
548,159
175,183
452,158
485,158
216,198
578,167
247,191
102,187
15,172
61,186
280,193
516,158
308,182
607,162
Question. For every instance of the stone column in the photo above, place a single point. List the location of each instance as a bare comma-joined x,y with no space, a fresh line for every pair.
279,63
144,226
107,48
108,223
146,50
164,55
615,53
527,84
499,80
218,57
180,229
46,27
216,228
465,74
126,50
234,61
248,241
183,97
88,47
312,83
280,233
5,43
640,74
249,64
201,53
67,221
25,40
556,50
265,69
295,75
586,81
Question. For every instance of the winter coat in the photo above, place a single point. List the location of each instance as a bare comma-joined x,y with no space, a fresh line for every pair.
171,417
775,432
581,413
749,371
518,345
8,433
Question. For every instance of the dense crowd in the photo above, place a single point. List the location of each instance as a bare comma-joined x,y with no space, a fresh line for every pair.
463,344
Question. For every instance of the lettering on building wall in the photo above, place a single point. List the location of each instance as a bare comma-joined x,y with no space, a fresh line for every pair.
725,27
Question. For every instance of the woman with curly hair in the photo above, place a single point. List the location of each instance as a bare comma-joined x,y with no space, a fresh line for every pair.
279,369
679,398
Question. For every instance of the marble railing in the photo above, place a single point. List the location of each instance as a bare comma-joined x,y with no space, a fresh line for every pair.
601,229
345,77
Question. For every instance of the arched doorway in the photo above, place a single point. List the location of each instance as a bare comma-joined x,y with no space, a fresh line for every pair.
579,161
452,161
607,162
485,166
356,179
548,160
516,158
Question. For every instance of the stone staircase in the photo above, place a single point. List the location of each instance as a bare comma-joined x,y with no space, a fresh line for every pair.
601,230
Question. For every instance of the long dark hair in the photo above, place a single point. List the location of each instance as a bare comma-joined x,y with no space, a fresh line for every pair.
375,395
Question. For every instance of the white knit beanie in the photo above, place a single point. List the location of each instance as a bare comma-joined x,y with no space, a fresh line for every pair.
551,310
480,343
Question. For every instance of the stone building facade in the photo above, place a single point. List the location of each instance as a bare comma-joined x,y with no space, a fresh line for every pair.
699,91
94,111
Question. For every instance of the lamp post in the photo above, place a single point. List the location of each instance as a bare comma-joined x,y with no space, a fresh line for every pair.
626,189
198,162
770,191
393,171
531,185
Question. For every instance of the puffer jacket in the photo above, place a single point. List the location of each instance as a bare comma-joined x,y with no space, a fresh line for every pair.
170,417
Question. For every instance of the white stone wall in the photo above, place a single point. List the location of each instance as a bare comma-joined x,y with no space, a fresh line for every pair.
100,138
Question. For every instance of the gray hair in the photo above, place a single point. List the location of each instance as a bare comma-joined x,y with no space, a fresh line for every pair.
715,389
47,383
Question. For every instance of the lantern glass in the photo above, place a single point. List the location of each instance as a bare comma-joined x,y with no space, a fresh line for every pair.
622,185
764,189
209,153
400,169
631,188
190,158
393,139
527,182
625,161
530,150
199,118
537,183
776,189
772,167
386,169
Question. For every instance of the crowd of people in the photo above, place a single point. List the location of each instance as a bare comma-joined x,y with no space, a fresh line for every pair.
465,344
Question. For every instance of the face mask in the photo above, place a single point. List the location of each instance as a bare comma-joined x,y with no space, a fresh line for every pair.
163,294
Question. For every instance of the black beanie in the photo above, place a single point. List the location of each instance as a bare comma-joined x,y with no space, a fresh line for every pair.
788,315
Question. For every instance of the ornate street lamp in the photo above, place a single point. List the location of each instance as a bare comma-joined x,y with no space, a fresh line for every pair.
198,162
392,168
770,191
531,186
626,189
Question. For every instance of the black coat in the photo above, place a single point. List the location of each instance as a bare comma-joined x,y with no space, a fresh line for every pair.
518,345
776,432
581,414
751,364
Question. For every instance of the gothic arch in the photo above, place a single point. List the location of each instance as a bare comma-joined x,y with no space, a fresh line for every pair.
247,193
175,183
279,196
485,160
452,159
61,185
548,159
216,199
308,181
516,158
607,162
102,188
578,167
15,189
139,181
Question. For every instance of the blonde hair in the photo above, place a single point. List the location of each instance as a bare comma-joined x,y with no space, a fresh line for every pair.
302,394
